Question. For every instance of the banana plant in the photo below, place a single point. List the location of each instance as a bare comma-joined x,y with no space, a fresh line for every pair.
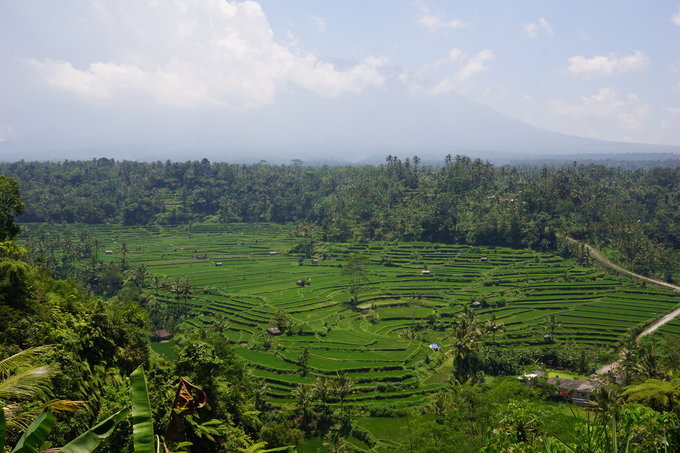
142,418
90,439
33,437
36,434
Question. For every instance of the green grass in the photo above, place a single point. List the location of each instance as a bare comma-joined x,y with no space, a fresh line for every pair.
166,349
251,285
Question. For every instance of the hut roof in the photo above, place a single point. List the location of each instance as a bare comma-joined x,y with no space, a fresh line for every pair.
574,384
274,331
162,333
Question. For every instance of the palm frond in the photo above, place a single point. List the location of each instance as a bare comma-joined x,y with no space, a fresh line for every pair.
63,406
26,384
22,359
18,418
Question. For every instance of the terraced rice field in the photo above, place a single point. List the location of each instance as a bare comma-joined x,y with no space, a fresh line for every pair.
258,277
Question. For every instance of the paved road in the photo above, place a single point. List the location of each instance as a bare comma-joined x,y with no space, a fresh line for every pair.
604,261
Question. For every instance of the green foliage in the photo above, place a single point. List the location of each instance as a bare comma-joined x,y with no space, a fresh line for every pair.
142,423
355,271
10,207
36,434
91,439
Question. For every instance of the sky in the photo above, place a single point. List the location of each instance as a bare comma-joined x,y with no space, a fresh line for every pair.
213,73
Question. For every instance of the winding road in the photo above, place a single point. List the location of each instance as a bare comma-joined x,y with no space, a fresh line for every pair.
603,261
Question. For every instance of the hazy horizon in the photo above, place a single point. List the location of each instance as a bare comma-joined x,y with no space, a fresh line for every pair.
350,82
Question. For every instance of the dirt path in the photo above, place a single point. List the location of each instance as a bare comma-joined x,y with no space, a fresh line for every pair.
605,262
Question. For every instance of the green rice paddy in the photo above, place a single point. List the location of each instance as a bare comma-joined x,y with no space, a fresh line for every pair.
258,277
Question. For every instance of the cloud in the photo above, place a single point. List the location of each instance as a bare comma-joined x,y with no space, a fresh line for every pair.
628,113
601,66
435,22
676,18
320,22
496,94
465,68
195,54
534,30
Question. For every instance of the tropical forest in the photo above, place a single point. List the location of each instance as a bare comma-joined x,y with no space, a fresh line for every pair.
407,306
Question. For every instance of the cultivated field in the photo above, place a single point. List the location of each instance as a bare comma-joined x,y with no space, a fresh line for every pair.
258,277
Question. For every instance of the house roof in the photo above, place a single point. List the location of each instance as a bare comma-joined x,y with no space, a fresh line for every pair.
574,384
274,330
162,333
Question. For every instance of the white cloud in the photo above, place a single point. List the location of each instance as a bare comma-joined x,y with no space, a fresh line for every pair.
607,66
464,69
320,22
496,94
676,18
5,132
197,53
584,36
628,113
435,22
534,30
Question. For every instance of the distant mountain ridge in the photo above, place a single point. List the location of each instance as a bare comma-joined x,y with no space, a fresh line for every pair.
302,125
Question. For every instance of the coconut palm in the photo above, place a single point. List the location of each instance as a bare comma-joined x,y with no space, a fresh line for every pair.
323,390
465,338
183,287
342,387
22,380
304,398
123,251
493,326
661,395
220,324
647,360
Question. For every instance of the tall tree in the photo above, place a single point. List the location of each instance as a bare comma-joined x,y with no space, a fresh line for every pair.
10,207
355,270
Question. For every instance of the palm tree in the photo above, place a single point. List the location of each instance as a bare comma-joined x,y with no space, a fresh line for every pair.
220,323
493,325
21,381
138,276
647,360
551,323
123,251
465,345
304,397
343,386
660,395
183,287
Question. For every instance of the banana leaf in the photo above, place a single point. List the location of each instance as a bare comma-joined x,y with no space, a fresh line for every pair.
142,422
90,439
36,434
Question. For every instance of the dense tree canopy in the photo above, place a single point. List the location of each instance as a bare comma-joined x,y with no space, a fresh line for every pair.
10,206
464,200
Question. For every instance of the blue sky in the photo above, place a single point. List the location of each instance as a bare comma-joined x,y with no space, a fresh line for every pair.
78,72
